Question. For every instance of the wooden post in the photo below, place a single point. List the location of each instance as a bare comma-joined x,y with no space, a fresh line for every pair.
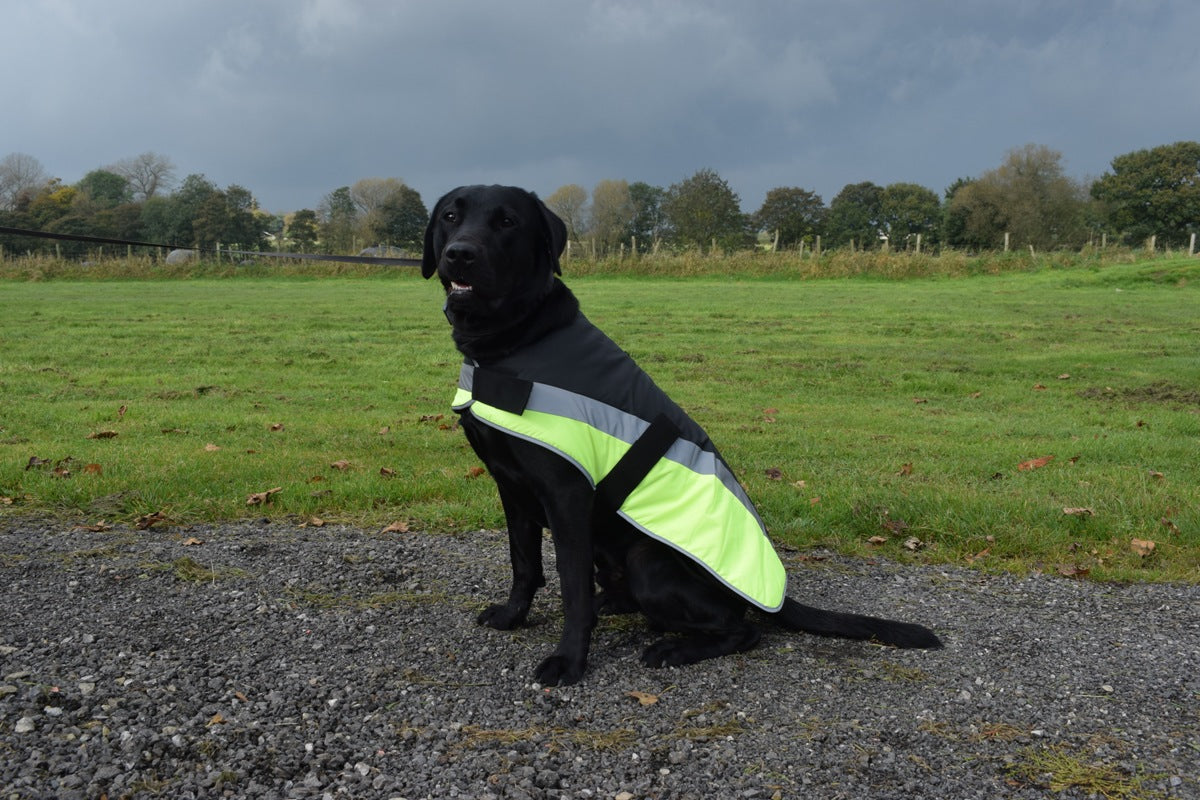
918,244
1031,250
817,247
1006,241
775,244
714,245
1151,241
801,248
1192,246
633,246
567,254
1103,240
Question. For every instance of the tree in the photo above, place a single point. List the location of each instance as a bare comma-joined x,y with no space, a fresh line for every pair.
338,217
796,213
19,174
569,203
907,210
105,188
954,218
1029,197
1153,192
648,223
303,230
612,213
702,208
856,214
400,219
147,174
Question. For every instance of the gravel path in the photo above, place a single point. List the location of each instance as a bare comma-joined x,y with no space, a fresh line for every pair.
276,661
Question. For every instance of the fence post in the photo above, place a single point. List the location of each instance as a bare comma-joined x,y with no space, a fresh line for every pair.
1192,246
817,247
1103,240
1151,242
633,246
775,244
1006,241
918,244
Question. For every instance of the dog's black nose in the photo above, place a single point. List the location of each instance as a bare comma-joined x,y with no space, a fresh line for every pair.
462,254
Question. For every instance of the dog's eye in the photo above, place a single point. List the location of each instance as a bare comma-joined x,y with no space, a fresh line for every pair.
507,222
450,216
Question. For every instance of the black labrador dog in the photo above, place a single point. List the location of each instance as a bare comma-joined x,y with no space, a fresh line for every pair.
496,250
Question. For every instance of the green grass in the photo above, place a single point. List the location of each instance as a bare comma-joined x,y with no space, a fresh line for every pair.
818,392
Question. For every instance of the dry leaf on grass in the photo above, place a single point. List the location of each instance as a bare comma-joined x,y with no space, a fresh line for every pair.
644,698
102,435
1079,512
396,527
1034,463
1143,547
262,498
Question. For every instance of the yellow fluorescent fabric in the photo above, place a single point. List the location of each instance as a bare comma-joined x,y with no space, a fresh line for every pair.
694,513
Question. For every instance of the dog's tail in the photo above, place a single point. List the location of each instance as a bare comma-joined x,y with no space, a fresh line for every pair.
818,621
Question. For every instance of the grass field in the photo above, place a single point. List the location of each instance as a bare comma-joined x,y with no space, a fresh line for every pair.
947,420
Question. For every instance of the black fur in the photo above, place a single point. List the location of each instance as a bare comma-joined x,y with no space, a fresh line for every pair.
504,244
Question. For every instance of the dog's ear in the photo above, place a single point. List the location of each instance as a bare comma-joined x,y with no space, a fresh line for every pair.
429,260
556,235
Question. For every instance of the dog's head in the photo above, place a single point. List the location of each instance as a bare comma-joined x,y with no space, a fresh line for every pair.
495,249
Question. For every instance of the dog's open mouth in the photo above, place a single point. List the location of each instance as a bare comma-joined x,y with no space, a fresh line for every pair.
458,288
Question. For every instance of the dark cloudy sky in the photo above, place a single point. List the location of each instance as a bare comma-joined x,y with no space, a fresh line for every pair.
294,98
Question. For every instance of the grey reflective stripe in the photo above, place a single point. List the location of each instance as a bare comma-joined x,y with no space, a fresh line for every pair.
624,426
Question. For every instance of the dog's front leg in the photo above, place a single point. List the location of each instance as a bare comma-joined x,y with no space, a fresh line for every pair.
572,534
525,553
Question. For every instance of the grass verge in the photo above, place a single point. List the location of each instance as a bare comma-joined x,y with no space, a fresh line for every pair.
1043,419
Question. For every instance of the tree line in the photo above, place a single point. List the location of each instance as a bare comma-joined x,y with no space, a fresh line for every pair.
1027,201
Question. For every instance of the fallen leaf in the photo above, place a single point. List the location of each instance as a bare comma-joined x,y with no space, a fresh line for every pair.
1074,459
976,395
262,498
174,430
813,501
644,698
342,465
895,526
241,696
913,543
146,521
774,473
36,463
979,555
432,417
1079,512
192,541
1066,376
1143,547
315,522
99,527
1158,476
1170,525
276,427
1034,463
121,411
1141,423
877,540
211,448
102,435
93,469
1037,387
905,469
475,472
316,479
919,400
1073,571
61,471
396,527
384,430
800,484
6,501
387,472
215,719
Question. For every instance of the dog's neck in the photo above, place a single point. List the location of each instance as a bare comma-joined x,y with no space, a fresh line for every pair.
488,340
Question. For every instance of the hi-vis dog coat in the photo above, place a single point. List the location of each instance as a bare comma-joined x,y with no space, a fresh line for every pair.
577,394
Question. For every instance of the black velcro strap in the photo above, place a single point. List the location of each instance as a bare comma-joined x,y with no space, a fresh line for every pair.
505,392
639,459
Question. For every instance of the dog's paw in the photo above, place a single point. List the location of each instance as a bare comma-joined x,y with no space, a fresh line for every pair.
502,617
664,653
560,670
